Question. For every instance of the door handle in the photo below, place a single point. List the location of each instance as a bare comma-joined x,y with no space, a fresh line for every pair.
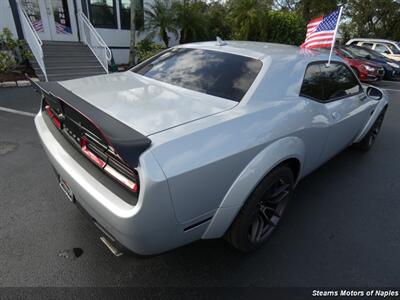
336,115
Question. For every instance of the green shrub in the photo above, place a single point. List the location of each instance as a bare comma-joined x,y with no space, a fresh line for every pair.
13,51
146,49
7,62
283,27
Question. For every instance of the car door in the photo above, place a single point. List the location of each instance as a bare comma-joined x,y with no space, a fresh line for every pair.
348,108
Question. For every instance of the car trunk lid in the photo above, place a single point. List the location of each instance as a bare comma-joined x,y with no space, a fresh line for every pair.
146,105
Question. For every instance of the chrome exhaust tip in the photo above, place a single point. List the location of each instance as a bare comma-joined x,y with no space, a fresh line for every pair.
114,250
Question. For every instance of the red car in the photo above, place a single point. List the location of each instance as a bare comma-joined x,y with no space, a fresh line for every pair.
366,71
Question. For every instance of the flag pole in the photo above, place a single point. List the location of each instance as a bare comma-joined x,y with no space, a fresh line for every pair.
334,36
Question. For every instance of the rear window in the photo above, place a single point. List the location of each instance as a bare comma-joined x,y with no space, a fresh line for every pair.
210,72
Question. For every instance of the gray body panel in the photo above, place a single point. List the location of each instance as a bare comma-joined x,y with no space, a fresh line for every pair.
203,164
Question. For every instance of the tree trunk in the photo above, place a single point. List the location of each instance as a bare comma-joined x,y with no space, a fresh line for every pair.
132,51
165,37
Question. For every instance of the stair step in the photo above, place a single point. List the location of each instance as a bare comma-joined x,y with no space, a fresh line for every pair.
70,54
58,62
64,52
74,71
76,59
60,43
68,70
60,77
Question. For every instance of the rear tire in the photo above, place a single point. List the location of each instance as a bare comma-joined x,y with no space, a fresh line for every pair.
262,211
369,140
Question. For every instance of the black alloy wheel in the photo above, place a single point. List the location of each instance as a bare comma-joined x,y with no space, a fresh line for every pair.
262,211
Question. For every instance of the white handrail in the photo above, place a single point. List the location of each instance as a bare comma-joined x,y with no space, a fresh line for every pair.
33,39
94,41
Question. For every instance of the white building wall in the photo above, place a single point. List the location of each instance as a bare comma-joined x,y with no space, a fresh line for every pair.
118,40
6,17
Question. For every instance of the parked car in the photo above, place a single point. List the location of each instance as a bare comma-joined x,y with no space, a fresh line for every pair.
390,49
365,71
204,140
392,67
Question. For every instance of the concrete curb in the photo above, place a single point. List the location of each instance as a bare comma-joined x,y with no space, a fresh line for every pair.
19,83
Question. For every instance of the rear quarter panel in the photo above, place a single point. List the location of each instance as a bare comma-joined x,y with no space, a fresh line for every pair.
203,160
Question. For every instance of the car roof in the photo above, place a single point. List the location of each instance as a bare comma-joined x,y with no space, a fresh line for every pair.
372,40
262,51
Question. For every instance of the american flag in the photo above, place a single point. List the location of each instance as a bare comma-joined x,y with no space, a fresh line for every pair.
62,29
321,31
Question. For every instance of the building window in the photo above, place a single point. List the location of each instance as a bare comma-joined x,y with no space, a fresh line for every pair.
125,14
102,13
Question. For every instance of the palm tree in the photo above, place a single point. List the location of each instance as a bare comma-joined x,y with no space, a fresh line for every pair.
191,20
245,17
132,50
161,19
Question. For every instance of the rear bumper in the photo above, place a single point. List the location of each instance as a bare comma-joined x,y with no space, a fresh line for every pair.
146,228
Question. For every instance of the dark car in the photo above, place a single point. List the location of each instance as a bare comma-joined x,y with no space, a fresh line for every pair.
392,68
365,70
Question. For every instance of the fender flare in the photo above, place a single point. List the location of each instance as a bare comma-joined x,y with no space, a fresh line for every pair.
270,157
382,104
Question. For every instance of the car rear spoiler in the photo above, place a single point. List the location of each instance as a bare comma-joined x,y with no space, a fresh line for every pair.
127,142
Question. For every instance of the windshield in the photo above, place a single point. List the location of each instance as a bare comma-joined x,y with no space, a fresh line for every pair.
210,72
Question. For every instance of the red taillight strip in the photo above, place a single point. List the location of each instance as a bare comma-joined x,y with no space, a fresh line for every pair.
52,117
133,186
89,154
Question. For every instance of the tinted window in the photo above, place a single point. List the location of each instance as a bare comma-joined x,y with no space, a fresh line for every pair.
368,45
102,13
312,83
393,48
339,82
211,72
329,83
381,49
363,52
125,14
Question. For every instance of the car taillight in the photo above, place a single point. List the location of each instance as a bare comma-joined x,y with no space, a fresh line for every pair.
89,154
131,185
52,116
124,180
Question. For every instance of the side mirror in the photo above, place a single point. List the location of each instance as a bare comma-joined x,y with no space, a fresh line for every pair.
374,93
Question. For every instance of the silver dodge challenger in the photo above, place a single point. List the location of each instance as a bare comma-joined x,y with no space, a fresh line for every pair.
202,141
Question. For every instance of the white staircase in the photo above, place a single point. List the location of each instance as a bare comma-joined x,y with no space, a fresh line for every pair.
54,61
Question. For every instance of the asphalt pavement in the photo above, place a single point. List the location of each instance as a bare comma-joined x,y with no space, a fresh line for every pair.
341,229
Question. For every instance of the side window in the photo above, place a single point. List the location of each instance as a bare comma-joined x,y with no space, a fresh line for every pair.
326,84
393,49
382,49
339,82
368,45
312,83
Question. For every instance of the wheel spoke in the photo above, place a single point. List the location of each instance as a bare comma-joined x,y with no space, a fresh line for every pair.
257,229
267,218
283,187
273,210
279,193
